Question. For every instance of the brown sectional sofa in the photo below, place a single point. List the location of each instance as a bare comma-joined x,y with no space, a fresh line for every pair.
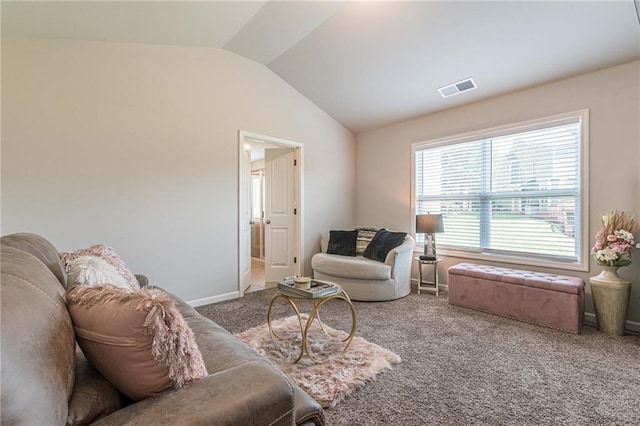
47,380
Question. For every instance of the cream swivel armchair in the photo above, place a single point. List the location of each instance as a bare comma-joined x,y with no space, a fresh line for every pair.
365,279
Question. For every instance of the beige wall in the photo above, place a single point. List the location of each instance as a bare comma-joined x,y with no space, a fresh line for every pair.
613,98
136,146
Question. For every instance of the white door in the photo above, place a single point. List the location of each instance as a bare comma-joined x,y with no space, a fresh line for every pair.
279,217
245,219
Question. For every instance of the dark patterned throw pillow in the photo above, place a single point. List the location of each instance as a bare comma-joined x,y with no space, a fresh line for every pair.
365,235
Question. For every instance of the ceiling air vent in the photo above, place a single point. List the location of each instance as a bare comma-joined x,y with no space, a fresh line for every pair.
456,88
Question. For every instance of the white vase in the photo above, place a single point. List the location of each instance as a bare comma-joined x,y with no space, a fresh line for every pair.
610,293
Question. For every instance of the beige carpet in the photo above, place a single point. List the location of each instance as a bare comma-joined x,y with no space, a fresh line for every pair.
464,367
338,375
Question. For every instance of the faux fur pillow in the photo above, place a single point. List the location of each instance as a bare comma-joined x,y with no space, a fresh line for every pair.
342,243
109,255
138,340
383,242
92,270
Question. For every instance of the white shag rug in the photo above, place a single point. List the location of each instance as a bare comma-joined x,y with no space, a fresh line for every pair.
338,375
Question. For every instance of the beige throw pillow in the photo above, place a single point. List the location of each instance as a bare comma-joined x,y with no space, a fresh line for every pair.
93,270
106,253
138,340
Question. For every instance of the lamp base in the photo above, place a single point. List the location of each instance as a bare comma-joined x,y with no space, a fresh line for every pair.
429,247
426,257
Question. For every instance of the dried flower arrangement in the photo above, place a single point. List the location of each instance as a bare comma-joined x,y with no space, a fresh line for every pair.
614,242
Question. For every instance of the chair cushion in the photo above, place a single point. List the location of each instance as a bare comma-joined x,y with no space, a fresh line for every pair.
350,267
93,396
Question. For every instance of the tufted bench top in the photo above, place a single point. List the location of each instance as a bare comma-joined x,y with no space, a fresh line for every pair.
561,283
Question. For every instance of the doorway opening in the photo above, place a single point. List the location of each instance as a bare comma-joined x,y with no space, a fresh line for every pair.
270,218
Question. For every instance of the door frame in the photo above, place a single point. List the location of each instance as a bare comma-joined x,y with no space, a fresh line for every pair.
298,181
261,221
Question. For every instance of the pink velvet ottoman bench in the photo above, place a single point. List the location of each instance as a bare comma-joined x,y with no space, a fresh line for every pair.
550,300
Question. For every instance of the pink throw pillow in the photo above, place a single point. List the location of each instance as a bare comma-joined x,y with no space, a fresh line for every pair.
138,340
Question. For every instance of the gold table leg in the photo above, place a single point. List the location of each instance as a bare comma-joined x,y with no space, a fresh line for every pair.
272,333
314,315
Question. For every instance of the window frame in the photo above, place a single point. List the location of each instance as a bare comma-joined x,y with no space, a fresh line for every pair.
582,264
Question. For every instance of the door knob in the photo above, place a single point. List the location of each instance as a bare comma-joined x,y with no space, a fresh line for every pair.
267,221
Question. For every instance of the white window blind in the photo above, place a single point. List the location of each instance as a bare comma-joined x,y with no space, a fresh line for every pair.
509,192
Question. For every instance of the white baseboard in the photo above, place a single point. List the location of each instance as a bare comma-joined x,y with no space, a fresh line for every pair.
214,299
590,319
441,286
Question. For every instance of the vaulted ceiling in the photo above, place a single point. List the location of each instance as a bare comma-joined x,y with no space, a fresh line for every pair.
367,64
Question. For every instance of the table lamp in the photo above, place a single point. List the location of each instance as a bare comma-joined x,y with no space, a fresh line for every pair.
429,225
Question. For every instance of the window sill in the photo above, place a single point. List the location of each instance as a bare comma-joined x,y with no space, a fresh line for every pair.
541,263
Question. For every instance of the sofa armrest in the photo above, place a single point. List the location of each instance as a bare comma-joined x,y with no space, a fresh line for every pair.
308,410
402,250
400,257
250,394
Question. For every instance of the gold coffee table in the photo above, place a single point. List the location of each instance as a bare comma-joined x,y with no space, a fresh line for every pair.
313,316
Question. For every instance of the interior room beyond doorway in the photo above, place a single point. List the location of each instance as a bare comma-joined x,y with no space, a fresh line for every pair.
257,204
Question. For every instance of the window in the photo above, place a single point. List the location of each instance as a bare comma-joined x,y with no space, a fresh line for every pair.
257,186
512,194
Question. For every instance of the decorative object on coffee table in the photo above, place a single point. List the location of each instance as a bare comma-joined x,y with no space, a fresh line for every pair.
335,292
313,290
302,282
429,224
610,292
